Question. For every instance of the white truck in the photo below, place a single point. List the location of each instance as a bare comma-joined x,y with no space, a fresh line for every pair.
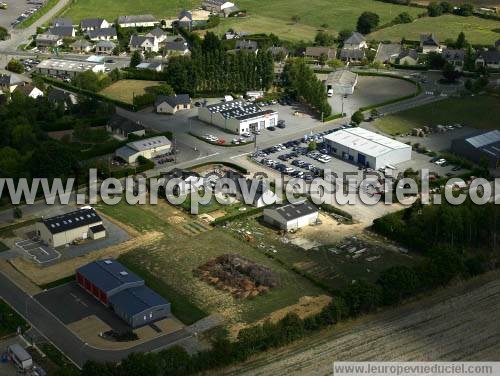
20,356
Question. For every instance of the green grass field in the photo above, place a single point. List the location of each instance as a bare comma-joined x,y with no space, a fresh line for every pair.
276,16
477,30
478,112
169,263
124,90
111,9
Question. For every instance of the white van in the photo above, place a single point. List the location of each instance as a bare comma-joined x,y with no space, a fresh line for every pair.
20,356
330,93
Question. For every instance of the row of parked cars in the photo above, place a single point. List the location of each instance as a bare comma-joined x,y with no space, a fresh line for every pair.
27,13
29,64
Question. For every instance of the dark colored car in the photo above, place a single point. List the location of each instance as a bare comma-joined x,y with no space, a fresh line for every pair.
271,128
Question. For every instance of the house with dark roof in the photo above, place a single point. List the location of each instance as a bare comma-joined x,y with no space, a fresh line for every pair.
408,57
488,59
277,51
347,54
158,34
430,43
316,52
89,24
484,146
143,43
108,33
123,291
61,97
46,40
182,181
175,45
67,228
454,57
62,22
356,41
387,53
172,103
255,192
82,46
29,90
291,216
123,127
105,47
9,82
185,20
247,45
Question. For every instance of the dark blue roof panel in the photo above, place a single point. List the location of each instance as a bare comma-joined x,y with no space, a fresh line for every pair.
107,275
136,300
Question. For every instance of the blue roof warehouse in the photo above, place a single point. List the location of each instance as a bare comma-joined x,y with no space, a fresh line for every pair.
123,291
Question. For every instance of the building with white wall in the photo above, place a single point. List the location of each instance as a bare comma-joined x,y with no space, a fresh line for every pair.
67,67
238,116
291,217
342,82
366,148
147,148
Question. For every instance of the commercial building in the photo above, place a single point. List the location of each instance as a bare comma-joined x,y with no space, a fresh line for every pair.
147,148
291,217
238,116
67,67
64,229
123,291
143,20
366,148
341,82
482,148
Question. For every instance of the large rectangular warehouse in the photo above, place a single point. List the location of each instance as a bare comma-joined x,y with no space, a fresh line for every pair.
64,229
123,291
366,148
484,147
238,116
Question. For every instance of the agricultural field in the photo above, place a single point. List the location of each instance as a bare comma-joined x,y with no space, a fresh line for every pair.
187,243
111,9
477,30
276,16
125,90
476,112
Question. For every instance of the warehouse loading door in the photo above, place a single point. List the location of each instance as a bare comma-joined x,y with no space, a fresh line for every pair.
361,159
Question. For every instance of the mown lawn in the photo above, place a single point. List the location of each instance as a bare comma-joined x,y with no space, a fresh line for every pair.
125,90
480,112
477,30
111,9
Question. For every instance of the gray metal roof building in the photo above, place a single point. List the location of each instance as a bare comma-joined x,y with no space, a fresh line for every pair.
291,216
122,290
484,147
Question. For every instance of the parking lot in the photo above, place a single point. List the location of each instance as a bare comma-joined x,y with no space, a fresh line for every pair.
16,12
69,303
41,253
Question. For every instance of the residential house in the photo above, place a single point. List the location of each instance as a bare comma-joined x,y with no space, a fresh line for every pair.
388,53
316,52
62,22
9,82
105,47
89,24
255,192
488,59
292,216
172,103
281,52
247,45
61,97
157,33
156,66
143,43
185,20
235,35
185,181
341,82
143,20
103,34
347,54
216,6
430,43
29,90
63,31
82,45
408,57
175,45
124,127
47,40
454,57
356,41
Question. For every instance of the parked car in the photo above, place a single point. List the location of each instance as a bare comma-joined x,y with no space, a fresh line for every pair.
271,128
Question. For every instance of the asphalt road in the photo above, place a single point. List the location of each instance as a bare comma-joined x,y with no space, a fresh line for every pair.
64,339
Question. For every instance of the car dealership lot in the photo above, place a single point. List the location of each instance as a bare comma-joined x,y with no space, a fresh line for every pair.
16,12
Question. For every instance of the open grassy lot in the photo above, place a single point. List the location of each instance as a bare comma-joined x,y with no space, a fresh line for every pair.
477,112
170,261
125,90
111,9
276,16
477,30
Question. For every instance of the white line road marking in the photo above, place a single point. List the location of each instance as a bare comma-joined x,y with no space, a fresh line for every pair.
207,156
240,155
43,251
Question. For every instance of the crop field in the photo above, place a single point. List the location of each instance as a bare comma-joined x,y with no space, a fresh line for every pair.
477,30
432,328
125,90
276,16
476,112
111,9
169,263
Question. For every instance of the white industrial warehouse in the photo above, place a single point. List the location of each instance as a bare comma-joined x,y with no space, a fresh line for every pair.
366,148
147,148
238,116
341,82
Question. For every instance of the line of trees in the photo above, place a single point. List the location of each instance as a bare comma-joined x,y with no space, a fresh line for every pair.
301,82
212,69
